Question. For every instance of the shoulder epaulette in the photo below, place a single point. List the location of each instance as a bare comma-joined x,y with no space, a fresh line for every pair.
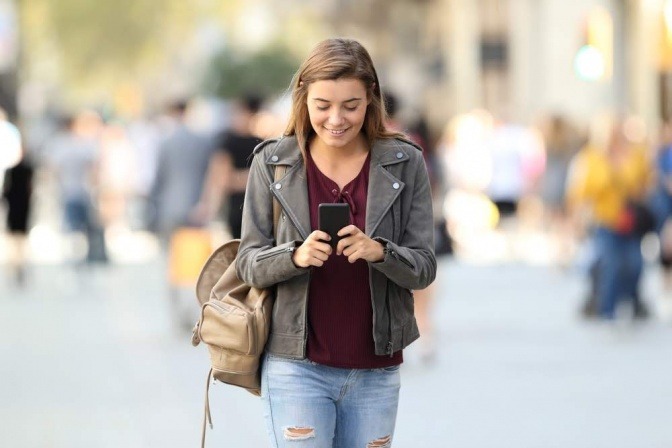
410,142
264,144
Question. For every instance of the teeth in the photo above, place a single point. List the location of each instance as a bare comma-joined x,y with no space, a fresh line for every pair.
336,132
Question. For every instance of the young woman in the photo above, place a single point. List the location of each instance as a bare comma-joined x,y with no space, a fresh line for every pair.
342,316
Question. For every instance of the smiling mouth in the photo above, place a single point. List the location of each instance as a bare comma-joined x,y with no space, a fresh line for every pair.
336,131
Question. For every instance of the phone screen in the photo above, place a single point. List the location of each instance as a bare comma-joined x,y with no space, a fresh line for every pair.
332,218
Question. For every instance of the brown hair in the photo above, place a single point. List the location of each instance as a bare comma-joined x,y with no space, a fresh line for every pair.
333,59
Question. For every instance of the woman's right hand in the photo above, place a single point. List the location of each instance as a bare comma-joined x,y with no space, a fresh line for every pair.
314,251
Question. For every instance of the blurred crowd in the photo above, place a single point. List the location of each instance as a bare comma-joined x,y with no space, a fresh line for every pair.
101,190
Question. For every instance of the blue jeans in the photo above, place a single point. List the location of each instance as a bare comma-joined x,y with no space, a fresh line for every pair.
620,269
77,213
311,405
661,205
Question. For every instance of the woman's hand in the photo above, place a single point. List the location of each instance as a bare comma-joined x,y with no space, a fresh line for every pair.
314,251
356,245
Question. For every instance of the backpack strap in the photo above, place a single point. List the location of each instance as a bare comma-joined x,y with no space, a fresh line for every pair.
280,171
207,417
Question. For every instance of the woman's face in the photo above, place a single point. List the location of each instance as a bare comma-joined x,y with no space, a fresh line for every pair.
337,109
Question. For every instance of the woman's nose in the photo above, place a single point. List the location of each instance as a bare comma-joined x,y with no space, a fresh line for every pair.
335,118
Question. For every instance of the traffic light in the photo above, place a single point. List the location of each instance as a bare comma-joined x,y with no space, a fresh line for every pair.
594,60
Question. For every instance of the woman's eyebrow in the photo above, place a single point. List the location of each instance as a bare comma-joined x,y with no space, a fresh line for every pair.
327,101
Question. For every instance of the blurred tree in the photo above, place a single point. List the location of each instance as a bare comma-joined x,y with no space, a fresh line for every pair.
86,49
266,72
93,34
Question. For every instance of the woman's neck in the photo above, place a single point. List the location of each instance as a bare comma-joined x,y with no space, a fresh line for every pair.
354,149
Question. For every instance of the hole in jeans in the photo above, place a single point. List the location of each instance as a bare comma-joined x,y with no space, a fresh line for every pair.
383,442
294,433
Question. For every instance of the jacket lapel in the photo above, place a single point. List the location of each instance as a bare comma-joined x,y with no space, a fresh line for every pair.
384,186
292,189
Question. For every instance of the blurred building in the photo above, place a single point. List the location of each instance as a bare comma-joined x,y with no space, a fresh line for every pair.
517,58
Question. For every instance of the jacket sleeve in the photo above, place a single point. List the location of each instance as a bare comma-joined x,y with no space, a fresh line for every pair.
260,262
411,263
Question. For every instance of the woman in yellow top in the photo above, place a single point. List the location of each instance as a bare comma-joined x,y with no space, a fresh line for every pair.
609,175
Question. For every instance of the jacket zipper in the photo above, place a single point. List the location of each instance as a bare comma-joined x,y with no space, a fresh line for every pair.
272,253
305,317
390,346
400,258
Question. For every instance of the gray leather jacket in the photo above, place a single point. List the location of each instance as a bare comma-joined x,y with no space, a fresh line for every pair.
398,214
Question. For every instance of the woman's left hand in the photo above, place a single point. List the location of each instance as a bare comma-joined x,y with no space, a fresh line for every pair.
356,245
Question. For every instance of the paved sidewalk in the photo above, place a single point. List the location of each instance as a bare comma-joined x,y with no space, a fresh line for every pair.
90,359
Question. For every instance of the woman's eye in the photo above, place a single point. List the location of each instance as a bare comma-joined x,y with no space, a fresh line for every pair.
322,107
351,109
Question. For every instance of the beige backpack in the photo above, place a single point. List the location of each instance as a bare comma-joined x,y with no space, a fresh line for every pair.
235,319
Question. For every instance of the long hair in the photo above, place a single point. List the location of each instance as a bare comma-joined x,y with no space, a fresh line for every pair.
332,59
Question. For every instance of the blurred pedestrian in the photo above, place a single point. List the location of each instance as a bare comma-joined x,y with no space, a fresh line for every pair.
341,317
144,135
178,183
661,202
229,165
182,165
419,132
17,190
117,177
72,155
561,143
507,184
609,180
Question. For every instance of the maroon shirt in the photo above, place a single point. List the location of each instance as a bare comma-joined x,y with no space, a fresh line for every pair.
340,315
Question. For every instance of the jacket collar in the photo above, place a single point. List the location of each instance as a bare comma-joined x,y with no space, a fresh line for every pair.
384,187
389,151
385,152
284,152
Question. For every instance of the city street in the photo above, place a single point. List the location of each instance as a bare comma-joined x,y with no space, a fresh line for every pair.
128,135
90,359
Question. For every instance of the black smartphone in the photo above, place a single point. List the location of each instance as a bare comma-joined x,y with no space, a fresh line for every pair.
332,218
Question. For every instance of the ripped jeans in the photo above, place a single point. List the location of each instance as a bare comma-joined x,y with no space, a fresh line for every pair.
308,405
